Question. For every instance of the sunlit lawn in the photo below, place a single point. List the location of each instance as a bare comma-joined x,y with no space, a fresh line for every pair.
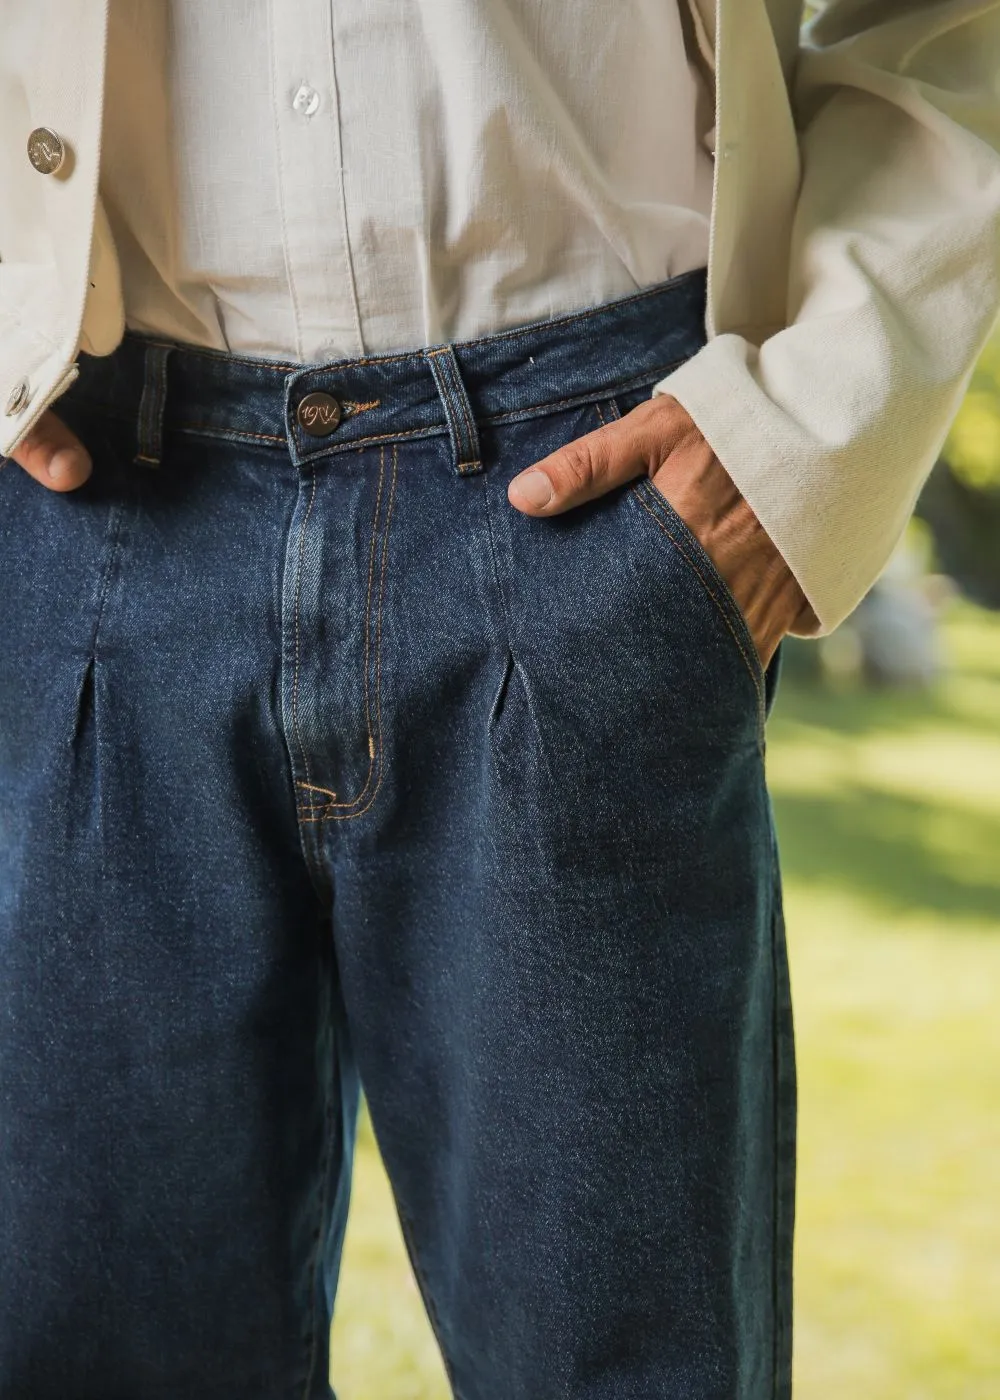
889,811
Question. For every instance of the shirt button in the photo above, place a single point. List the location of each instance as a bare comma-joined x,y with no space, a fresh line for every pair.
46,150
306,100
17,399
318,414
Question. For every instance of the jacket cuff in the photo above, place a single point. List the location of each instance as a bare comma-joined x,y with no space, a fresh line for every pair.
834,526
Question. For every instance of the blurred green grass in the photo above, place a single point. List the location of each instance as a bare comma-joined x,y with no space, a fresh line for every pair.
888,807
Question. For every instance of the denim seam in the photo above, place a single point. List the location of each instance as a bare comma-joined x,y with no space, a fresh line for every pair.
406,1229
712,593
303,752
312,1337
114,538
372,549
368,622
114,534
208,431
784,1085
776,1241
505,615
603,392
331,811
519,415
505,619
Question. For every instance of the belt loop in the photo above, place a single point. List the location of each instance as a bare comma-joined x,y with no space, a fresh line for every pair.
461,423
152,403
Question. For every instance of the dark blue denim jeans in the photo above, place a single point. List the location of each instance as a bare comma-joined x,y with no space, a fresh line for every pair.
322,766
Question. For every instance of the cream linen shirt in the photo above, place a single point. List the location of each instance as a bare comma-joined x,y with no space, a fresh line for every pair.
307,180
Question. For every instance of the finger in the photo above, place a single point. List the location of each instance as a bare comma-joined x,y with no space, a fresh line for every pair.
587,467
53,455
631,446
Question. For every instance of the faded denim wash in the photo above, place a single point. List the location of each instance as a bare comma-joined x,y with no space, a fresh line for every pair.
320,766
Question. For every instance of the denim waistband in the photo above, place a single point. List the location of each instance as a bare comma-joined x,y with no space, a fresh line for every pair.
164,386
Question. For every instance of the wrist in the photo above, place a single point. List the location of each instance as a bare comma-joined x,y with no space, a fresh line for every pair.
764,588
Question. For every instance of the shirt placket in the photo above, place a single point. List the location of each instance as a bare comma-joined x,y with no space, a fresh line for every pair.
310,180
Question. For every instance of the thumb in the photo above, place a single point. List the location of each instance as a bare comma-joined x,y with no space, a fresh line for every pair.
634,445
53,455
587,467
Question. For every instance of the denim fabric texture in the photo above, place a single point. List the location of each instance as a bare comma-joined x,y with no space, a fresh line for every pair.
321,766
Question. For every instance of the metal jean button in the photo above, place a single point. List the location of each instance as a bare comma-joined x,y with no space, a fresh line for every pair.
19,396
318,414
46,150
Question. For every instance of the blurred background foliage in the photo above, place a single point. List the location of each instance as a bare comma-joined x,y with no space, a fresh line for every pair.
973,446
886,788
961,502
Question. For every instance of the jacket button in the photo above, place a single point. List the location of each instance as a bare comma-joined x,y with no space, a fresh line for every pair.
46,150
318,414
18,397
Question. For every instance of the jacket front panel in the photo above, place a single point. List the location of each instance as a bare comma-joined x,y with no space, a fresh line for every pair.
60,288
52,76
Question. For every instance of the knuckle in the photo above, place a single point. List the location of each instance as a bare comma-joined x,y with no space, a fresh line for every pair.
579,466
38,435
32,452
47,432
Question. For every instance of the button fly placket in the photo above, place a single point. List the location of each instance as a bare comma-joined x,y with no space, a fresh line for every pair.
335,578
334,583
306,119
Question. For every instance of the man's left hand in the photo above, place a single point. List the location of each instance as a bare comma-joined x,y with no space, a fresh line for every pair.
660,439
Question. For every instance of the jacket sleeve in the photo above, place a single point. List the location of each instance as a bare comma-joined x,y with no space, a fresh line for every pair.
830,426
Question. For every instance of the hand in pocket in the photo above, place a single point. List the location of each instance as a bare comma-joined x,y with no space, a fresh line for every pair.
53,454
660,440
